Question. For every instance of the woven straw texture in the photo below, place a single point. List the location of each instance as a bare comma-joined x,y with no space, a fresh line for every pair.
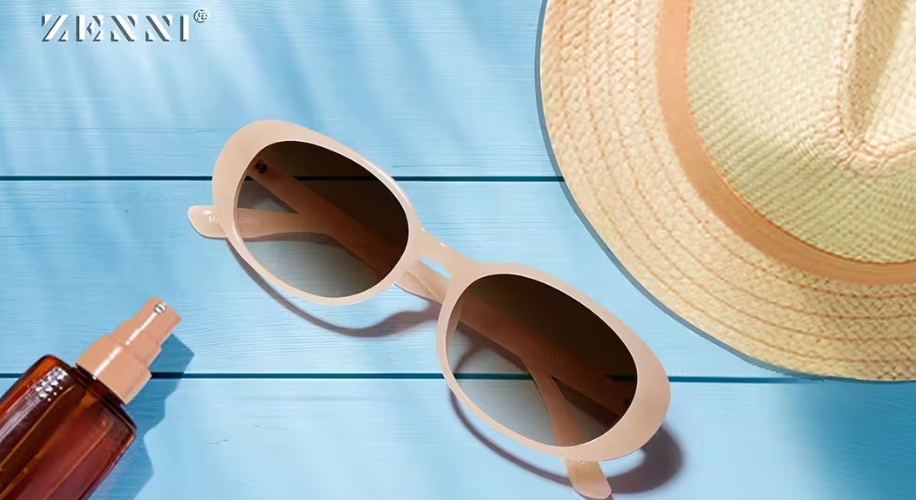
807,111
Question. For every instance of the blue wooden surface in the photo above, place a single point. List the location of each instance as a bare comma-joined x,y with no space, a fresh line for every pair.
407,439
104,146
123,241
423,87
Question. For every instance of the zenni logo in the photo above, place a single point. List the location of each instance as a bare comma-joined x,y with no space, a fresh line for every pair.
121,27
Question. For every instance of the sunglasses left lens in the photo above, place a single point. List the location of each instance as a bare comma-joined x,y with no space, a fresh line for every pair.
319,221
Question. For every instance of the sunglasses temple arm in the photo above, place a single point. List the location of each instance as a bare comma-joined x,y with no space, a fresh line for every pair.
425,282
421,280
252,223
587,478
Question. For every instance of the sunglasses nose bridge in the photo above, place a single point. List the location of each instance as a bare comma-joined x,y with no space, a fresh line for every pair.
435,250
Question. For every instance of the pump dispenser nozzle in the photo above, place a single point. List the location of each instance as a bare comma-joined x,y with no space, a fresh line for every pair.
122,359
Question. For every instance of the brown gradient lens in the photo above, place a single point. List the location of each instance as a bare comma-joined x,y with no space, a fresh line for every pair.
499,381
310,251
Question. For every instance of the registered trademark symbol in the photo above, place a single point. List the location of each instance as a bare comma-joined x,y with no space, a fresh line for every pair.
201,15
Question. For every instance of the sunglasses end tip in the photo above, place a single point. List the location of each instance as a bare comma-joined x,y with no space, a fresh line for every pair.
203,220
198,210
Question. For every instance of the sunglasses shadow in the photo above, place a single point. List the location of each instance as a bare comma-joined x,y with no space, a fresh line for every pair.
135,470
663,460
662,456
396,323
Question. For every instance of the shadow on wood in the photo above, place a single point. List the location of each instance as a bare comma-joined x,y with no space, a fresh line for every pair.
391,325
135,469
663,460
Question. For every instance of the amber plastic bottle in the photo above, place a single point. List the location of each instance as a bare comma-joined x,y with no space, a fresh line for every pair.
63,428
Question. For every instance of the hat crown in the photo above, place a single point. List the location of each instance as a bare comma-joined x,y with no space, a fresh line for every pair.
808,110
876,98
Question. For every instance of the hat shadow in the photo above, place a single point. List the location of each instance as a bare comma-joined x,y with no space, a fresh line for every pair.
135,469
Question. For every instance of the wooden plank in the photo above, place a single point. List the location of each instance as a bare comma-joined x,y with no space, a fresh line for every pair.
290,439
422,87
79,257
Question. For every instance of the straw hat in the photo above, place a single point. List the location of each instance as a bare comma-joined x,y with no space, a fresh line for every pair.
752,164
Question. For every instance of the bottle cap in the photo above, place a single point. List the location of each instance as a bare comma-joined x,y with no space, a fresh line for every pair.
121,360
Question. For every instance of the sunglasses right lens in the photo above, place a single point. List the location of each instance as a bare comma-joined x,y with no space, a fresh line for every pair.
319,221
538,361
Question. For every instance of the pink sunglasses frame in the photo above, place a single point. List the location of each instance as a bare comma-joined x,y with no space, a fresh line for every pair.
639,422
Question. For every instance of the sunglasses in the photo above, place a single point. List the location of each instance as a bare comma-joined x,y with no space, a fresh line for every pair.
323,223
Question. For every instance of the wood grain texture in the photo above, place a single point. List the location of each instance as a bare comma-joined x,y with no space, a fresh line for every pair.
422,87
282,399
79,257
294,439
